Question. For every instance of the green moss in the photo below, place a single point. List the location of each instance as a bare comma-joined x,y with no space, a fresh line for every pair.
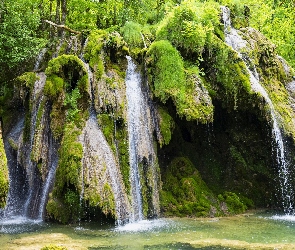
106,123
71,104
58,116
54,86
66,71
93,51
132,34
197,105
227,75
233,202
57,210
118,140
53,247
149,173
107,202
166,126
28,79
123,147
189,26
115,47
4,182
64,204
13,144
70,156
67,86
37,148
169,79
239,14
25,84
166,70
184,192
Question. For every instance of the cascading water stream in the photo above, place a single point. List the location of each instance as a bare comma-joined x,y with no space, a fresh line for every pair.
28,192
140,139
133,92
98,148
234,40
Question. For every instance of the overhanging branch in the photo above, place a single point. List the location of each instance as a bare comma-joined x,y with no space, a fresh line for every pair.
61,26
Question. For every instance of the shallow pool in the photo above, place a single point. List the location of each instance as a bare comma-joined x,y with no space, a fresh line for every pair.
248,231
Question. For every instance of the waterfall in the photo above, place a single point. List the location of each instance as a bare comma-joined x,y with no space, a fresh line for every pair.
100,163
37,98
28,192
17,182
140,142
235,41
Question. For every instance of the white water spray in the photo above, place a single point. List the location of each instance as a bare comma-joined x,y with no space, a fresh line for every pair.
234,40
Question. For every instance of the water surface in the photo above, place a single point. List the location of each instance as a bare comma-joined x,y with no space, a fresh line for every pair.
248,231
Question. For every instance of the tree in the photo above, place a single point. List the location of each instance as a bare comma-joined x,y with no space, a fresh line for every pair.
19,40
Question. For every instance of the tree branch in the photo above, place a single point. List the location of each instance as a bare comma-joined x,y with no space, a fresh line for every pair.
60,26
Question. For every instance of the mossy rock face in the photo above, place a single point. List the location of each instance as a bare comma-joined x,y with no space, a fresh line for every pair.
64,202
115,47
115,131
169,80
68,88
4,181
184,192
274,75
166,125
229,158
226,76
66,72
93,51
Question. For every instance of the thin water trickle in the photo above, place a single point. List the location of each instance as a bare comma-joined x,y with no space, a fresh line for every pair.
39,59
234,40
49,179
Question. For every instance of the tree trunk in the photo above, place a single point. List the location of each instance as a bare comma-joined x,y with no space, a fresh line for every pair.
57,14
64,11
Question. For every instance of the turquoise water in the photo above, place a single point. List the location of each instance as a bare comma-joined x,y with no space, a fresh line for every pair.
249,231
